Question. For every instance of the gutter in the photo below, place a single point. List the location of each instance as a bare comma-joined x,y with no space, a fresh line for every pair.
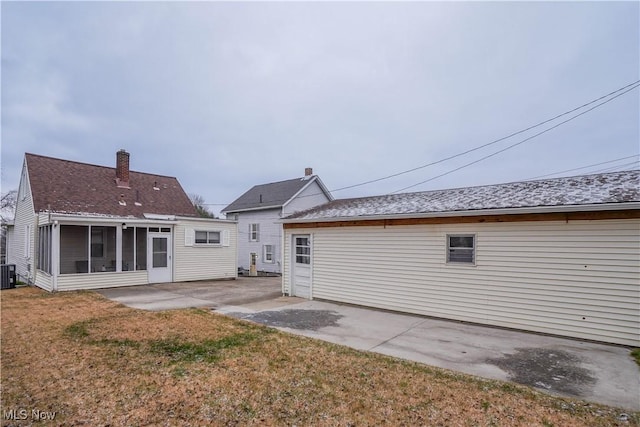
108,219
259,208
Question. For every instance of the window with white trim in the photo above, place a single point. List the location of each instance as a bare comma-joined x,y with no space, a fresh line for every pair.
44,248
267,254
27,241
207,237
23,185
461,248
254,232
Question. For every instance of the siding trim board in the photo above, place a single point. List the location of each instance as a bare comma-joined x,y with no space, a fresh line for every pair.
554,216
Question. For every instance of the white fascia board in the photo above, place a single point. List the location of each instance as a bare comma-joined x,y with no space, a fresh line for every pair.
159,216
479,212
326,190
94,219
317,179
313,179
259,208
202,219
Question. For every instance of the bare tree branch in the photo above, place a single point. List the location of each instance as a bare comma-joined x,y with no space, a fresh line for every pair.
8,205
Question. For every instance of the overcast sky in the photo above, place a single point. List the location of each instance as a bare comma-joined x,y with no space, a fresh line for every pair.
224,96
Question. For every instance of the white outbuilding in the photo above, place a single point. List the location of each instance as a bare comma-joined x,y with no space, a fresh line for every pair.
558,256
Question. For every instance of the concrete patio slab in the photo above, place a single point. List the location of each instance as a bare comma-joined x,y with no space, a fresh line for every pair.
214,293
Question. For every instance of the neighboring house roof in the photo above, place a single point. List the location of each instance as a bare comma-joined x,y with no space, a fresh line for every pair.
273,195
598,189
71,187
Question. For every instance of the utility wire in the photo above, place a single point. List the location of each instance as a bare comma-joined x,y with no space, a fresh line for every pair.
517,143
613,168
625,88
490,143
585,167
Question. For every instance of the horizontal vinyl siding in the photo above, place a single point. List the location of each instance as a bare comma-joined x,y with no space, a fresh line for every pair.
24,216
44,281
579,279
74,282
205,262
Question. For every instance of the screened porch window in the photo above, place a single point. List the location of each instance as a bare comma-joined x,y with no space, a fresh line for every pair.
103,248
44,248
134,249
92,249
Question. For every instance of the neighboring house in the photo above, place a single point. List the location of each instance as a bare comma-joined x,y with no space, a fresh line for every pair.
81,226
558,256
259,211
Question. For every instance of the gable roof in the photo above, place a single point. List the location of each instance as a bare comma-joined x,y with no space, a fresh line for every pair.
273,195
599,189
71,187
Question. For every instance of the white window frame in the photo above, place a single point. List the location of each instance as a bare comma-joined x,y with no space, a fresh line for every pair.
27,241
302,253
461,248
22,195
254,232
44,248
210,240
266,253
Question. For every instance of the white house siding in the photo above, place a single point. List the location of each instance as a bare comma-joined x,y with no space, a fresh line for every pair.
308,198
270,234
193,262
578,279
24,217
44,281
74,282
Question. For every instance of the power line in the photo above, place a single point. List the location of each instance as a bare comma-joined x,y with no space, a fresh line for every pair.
490,143
613,168
584,167
625,88
517,143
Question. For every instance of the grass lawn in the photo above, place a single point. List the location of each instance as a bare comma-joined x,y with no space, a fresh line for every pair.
95,362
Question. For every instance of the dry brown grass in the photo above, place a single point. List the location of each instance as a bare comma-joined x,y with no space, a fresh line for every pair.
95,362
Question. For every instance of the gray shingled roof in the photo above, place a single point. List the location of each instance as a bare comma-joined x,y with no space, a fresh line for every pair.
605,188
272,195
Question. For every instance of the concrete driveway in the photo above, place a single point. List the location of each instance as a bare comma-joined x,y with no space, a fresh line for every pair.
593,372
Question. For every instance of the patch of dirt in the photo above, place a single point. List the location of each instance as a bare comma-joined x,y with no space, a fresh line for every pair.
549,370
294,319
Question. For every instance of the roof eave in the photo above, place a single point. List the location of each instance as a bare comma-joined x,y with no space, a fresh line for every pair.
204,219
478,212
95,218
258,208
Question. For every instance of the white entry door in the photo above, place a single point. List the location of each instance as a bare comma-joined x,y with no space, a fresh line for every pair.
159,255
301,265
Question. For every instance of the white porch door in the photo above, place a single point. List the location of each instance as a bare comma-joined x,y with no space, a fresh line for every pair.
301,264
159,253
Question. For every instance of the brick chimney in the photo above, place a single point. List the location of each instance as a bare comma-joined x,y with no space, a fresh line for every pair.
308,171
122,169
